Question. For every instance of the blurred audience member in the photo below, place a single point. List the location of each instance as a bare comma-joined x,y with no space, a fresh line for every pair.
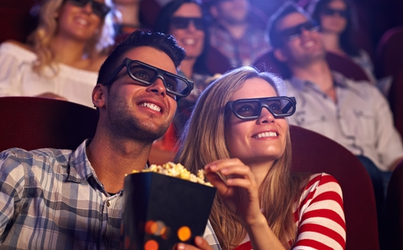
186,21
63,55
335,18
356,115
233,32
129,18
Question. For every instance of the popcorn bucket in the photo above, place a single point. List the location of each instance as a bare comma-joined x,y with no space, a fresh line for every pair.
160,211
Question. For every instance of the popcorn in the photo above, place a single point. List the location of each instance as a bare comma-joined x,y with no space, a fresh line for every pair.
178,171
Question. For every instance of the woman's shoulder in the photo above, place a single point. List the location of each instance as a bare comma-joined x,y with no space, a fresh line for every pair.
23,51
320,188
321,179
17,45
320,183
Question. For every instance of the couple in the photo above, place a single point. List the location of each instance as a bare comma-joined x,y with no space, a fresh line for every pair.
62,199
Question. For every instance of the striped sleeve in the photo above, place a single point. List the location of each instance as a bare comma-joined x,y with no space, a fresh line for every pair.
319,215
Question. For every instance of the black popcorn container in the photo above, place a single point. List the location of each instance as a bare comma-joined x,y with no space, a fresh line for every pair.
160,211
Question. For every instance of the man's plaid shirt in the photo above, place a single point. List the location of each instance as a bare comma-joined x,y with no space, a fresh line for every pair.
52,199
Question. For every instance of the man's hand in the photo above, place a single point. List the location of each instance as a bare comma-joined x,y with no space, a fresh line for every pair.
201,244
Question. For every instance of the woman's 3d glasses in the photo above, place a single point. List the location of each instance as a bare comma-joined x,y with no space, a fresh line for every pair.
250,109
183,22
146,74
296,31
98,8
332,12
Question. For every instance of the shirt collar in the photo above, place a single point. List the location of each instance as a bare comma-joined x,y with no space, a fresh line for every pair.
80,168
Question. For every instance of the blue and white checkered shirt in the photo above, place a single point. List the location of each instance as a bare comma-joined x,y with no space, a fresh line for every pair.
52,199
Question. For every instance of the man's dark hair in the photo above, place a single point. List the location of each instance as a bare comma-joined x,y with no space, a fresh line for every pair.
159,41
286,9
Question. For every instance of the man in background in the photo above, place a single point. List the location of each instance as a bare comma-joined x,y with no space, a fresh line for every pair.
356,115
236,32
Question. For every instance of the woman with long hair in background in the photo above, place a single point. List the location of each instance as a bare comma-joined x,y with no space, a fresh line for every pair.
63,54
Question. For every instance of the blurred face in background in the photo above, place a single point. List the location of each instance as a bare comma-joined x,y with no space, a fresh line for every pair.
126,2
187,26
333,18
231,11
302,41
80,23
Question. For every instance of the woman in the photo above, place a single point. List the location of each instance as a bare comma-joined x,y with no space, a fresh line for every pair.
185,21
238,131
336,21
63,55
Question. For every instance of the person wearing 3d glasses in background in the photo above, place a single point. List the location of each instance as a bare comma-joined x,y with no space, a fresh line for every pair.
63,54
63,199
354,114
237,31
238,130
186,21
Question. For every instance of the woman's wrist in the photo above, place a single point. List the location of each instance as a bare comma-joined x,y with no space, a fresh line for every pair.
255,223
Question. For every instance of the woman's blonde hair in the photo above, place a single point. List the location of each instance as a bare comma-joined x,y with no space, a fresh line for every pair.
203,141
41,38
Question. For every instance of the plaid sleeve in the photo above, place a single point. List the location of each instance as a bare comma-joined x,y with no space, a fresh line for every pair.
11,188
210,236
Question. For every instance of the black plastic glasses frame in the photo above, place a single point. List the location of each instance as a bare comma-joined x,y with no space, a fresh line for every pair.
332,12
183,22
295,32
98,8
174,89
284,110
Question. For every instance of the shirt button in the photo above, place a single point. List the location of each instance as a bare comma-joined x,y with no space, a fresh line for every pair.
108,203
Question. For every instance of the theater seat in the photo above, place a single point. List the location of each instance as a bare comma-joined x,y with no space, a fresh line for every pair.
392,230
33,122
395,99
389,51
16,19
346,67
313,153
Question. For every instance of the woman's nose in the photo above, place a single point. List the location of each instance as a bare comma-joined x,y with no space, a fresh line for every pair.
265,116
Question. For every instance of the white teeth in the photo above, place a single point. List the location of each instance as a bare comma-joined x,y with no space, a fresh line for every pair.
189,41
309,44
82,21
266,135
151,106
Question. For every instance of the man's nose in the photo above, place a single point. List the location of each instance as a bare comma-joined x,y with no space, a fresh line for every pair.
158,87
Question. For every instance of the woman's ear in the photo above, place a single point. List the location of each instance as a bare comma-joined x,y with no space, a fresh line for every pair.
99,95
280,55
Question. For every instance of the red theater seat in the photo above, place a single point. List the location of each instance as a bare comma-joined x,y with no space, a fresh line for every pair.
31,123
313,153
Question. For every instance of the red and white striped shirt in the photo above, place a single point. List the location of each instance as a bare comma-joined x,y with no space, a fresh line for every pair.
318,215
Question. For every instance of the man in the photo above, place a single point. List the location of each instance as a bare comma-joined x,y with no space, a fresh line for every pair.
59,199
234,34
356,115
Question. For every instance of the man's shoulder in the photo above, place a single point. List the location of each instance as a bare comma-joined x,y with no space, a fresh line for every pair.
37,157
362,88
